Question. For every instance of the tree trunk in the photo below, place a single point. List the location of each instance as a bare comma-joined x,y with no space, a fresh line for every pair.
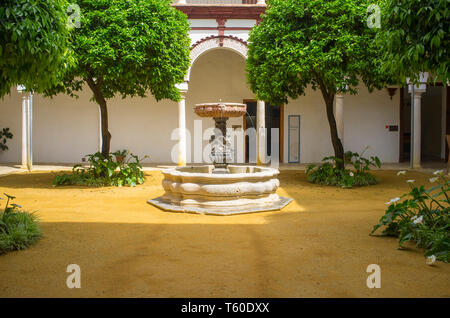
335,140
101,101
106,135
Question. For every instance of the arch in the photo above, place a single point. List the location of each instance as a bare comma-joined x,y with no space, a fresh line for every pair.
213,42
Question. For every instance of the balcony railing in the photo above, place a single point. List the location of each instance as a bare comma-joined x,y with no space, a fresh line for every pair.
219,2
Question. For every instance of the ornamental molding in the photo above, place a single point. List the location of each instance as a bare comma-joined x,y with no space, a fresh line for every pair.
210,11
214,42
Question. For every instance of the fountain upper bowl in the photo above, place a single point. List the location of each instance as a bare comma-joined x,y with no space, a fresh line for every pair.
220,109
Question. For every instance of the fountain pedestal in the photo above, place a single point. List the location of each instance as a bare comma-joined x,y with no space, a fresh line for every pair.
220,151
220,112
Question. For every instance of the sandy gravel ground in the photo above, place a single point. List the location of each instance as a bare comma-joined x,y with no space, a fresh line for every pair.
316,247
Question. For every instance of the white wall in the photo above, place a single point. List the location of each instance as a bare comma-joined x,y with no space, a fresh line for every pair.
11,112
315,140
365,118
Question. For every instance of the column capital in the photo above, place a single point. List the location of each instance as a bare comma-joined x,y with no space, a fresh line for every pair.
20,88
183,88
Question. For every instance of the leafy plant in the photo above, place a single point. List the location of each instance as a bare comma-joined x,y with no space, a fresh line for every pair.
4,135
18,229
330,173
360,163
105,171
414,38
422,217
120,155
34,41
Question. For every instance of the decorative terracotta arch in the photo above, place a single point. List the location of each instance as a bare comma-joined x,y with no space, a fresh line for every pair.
215,42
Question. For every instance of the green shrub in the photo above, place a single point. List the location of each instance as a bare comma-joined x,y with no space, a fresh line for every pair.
329,174
18,229
121,168
423,216
5,134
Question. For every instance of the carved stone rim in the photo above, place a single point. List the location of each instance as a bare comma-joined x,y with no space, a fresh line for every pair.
264,172
221,104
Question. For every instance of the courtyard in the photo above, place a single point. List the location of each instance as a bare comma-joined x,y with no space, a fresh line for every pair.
318,246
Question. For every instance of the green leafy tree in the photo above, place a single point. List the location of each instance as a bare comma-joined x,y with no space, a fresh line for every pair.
415,38
319,43
127,47
33,43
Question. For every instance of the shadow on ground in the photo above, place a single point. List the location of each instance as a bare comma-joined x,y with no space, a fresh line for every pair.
317,247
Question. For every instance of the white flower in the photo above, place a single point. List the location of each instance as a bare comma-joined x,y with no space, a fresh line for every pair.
403,172
431,260
432,180
351,174
418,220
438,172
394,200
411,181
414,217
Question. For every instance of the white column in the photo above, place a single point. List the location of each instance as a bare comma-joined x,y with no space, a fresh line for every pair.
183,88
417,130
24,129
261,132
182,131
261,2
30,133
339,98
416,117
27,130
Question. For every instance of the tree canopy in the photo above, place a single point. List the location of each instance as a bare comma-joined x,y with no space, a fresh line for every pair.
130,48
33,43
415,38
324,44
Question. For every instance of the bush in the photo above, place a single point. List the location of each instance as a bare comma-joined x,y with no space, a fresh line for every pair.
329,174
422,217
119,169
18,229
4,135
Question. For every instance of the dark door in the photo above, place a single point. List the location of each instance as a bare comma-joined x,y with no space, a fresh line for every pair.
273,120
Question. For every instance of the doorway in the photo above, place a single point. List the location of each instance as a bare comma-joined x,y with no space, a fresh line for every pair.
274,119
434,109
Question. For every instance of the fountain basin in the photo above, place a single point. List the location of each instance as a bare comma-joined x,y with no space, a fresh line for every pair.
220,110
235,190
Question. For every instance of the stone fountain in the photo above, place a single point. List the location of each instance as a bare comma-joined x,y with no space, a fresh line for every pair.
221,188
